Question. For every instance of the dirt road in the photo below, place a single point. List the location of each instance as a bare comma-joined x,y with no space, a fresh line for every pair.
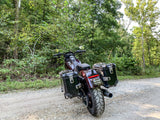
132,100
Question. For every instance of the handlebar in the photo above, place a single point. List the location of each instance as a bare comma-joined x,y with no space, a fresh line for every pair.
59,54
78,51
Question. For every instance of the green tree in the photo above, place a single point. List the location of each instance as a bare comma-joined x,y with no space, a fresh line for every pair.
145,13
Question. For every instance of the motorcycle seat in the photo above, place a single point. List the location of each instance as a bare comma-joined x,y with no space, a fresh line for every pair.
83,66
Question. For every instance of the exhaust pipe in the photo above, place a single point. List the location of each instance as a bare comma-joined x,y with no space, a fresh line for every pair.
107,93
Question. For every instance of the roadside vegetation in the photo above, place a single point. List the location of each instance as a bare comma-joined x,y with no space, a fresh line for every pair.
31,31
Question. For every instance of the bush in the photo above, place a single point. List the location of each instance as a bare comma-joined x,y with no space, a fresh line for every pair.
127,65
24,69
152,70
4,72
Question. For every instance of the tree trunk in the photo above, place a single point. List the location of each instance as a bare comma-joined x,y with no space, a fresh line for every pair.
44,10
16,15
17,6
143,58
93,27
149,54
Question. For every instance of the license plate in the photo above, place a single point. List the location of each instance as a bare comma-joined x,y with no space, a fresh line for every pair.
96,81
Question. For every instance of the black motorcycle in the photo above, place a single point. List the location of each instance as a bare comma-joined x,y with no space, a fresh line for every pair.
79,80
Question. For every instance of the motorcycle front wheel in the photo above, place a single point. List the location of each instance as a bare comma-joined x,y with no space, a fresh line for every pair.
96,104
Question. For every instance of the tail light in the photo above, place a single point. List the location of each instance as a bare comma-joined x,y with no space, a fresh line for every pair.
93,76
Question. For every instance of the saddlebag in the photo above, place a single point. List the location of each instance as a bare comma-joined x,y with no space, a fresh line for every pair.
71,83
107,73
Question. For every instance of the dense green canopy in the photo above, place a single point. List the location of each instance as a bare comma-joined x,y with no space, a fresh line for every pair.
31,31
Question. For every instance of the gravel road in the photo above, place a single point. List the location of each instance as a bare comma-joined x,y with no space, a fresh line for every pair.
132,100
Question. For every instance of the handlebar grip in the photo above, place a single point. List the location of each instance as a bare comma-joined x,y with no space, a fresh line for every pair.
80,51
83,50
59,54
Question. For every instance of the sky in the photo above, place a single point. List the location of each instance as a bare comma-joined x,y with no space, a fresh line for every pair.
132,22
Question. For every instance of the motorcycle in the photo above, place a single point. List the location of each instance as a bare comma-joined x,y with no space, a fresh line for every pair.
89,84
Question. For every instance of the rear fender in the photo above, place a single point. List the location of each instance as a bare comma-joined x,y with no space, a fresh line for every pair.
92,78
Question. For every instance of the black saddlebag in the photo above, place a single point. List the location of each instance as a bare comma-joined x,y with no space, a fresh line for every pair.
107,73
71,83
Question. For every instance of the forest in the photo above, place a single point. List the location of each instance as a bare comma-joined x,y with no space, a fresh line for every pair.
32,31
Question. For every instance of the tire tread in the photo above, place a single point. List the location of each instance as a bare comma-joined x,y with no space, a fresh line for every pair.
98,103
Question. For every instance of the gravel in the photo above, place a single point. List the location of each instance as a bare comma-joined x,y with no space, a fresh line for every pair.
132,100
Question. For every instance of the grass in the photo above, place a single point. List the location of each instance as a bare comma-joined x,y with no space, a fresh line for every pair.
37,84
129,77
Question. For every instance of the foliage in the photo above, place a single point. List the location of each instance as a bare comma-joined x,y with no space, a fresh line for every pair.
146,44
37,84
127,65
26,68
30,33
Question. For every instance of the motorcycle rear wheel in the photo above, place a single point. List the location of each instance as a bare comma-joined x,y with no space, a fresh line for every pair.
96,104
